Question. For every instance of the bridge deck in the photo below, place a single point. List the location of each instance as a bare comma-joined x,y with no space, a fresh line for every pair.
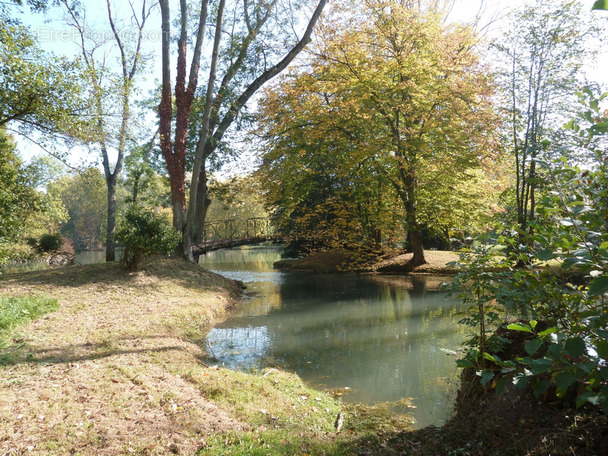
210,246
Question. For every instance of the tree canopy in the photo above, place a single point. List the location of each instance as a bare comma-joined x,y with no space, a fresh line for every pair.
395,107
17,198
39,90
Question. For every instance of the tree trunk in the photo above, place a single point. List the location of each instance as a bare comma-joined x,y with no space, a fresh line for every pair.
377,238
202,207
178,195
416,246
175,153
198,168
198,204
111,225
413,229
136,179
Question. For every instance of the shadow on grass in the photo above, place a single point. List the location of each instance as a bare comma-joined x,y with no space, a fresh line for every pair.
91,351
176,271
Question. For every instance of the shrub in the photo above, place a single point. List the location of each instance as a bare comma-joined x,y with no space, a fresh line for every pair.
144,232
50,242
15,252
559,295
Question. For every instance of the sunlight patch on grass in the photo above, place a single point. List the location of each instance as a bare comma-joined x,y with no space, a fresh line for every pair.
19,310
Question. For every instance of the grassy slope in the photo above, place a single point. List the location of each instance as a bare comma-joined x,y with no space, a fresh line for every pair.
120,368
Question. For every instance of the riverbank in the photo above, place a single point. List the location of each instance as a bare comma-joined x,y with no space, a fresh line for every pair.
121,368
338,260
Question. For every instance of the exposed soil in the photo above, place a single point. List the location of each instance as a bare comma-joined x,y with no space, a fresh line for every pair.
335,260
513,423
437,262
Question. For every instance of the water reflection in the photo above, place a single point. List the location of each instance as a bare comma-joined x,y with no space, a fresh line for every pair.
381,336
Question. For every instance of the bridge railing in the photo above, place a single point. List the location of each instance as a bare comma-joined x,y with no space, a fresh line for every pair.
233,229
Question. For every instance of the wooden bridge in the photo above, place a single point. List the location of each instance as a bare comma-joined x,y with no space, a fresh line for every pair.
225,234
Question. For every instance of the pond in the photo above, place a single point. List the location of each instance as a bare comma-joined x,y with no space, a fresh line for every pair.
385,338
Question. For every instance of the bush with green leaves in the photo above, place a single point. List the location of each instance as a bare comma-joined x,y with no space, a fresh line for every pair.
559,297
145,232
50,242
12,252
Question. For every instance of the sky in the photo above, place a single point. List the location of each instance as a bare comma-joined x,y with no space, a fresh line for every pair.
55,36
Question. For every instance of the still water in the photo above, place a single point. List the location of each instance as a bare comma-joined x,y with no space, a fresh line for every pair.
383,337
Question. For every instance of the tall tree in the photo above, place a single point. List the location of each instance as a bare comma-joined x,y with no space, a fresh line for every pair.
404,98
175,151
18,199
541,58
111,92
252,55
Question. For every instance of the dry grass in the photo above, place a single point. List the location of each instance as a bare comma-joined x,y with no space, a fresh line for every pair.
100,375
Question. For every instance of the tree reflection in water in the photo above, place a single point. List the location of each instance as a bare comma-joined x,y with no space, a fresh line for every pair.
381,336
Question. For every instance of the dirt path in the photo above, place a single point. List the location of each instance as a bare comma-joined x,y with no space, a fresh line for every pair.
99,376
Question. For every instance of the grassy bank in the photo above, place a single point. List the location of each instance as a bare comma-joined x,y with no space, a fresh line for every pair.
18,310
120,367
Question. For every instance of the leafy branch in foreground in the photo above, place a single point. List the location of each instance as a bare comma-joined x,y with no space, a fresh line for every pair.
563,291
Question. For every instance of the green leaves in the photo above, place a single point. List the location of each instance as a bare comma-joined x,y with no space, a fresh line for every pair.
347,154
541,386
39,90
562,381
533,346
486,376
18,199
600,5
545,255
519,327
601,347
145,232
540,365
575,347
598,286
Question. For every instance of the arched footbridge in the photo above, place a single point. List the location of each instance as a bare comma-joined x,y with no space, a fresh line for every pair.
225,234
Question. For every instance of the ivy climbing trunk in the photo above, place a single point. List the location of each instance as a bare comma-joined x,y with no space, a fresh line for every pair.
174,151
